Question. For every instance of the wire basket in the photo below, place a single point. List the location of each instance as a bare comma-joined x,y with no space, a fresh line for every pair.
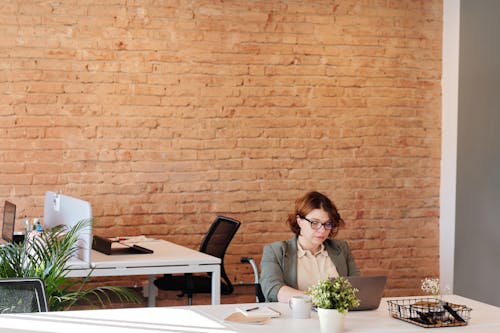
429,312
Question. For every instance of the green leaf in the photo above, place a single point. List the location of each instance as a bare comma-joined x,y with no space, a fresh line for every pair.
335,293
45,257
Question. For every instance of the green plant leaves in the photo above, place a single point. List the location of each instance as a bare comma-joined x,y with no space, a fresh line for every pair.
45,256
335,293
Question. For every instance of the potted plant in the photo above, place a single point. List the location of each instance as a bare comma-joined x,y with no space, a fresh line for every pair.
45,256
333,297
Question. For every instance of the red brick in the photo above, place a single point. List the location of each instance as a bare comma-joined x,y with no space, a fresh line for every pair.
165,116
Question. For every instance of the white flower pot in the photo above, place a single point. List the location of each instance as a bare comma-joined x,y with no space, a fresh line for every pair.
331,321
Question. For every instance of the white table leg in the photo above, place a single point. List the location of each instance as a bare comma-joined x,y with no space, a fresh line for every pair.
151,292
216,286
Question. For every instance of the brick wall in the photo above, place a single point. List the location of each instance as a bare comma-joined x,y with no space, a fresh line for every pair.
164,114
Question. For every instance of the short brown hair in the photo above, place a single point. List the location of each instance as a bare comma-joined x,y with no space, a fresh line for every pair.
315,200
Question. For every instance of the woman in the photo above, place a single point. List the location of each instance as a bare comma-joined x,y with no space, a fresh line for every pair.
289,267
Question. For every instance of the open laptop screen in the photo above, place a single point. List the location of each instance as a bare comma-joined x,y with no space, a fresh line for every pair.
9,218
22,295
370,291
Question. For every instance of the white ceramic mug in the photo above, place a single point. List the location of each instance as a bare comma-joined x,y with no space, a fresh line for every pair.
301,306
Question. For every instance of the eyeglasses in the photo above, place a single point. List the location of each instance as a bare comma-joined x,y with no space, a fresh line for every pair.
315,225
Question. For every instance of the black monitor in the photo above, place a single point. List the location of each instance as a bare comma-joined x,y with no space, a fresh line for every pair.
9,220
22,295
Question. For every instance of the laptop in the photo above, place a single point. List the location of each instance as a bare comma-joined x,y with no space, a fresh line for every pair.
371,289
22,295
9,220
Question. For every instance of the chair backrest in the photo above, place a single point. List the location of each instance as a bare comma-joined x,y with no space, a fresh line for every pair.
22,295
219,236
217,240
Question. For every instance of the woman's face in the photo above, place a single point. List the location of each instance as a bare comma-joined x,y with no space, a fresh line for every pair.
311,238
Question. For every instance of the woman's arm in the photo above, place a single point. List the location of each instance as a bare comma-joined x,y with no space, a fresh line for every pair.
272,278
286,292
271,271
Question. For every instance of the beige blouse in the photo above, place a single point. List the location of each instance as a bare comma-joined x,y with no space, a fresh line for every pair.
312,268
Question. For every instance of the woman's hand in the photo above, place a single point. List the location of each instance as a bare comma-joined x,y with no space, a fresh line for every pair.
286,292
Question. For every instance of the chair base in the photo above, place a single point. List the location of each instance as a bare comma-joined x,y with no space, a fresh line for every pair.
189,284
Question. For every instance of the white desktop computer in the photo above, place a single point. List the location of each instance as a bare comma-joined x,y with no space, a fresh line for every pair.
62,209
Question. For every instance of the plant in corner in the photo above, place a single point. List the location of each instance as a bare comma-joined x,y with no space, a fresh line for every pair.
45,256
333,297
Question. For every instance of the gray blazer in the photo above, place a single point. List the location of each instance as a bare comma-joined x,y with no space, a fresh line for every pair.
279,264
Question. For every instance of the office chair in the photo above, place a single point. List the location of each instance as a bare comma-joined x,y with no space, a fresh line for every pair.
214,243
259,295
22,295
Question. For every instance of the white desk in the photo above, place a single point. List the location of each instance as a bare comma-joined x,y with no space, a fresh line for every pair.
484,319
209,319
167,258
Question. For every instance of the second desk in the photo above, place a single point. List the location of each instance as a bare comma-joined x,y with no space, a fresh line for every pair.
167,258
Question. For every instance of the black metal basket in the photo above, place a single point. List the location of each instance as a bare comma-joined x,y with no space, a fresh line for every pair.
429,312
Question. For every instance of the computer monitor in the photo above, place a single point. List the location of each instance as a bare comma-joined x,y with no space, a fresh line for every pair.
22,295
62,209
9,218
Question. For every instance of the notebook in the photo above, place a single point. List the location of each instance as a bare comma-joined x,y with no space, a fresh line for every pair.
371,289
258,311
112,247
253,314
9,220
